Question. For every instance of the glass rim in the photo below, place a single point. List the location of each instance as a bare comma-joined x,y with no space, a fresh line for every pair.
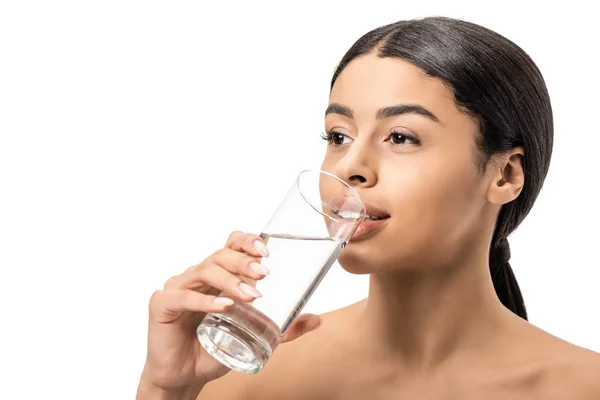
363,211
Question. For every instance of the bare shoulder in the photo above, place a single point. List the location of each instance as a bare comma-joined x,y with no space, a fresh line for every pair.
577,373
571,371
302,369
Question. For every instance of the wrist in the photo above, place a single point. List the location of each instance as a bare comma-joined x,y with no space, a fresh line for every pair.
149,391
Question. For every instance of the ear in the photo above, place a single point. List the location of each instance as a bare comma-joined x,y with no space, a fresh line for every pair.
508,176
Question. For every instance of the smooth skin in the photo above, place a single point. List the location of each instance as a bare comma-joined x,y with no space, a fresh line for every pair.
432,326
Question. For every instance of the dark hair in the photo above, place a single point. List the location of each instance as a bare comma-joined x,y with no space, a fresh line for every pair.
497,83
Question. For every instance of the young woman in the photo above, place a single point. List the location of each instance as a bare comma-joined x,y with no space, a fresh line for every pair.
445,128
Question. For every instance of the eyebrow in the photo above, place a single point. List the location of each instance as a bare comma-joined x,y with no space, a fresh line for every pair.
386,112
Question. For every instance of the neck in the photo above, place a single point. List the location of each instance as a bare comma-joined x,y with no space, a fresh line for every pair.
423,318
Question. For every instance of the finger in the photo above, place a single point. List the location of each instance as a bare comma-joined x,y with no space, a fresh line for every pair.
232,261
239,263
247,243
168,305
242,265
212,275
302,325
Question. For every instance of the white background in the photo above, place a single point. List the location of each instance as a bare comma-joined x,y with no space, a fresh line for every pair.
136,135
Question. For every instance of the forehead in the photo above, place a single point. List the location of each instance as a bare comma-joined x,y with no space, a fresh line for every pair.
370,82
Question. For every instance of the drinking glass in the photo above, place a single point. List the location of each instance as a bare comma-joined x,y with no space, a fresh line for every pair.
305,236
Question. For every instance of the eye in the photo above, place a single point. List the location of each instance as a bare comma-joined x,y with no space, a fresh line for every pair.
402,139
336,138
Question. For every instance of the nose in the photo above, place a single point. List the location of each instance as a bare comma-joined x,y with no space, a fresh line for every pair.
357,167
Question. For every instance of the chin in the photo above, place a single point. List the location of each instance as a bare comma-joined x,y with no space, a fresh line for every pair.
360,258
357,261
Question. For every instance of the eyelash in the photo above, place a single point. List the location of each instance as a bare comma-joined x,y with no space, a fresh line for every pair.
328,137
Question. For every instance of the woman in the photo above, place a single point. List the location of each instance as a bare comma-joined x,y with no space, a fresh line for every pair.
445,127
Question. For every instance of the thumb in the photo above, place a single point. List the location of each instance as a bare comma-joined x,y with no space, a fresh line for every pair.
301,326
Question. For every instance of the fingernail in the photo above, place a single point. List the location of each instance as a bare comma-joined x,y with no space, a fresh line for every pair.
259,268
261,248
249,290
223,301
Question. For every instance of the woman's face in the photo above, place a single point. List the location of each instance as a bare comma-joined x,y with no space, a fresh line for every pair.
398,138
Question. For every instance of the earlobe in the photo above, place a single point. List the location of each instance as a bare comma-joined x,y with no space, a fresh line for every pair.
508,177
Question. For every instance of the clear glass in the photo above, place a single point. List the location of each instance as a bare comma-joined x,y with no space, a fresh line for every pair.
305,236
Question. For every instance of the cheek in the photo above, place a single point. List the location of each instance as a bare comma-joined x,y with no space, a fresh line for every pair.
432,196
327,188
328,164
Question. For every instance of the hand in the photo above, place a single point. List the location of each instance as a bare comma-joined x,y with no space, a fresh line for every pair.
176,361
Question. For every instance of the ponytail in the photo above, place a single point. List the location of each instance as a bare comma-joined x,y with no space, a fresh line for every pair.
504,280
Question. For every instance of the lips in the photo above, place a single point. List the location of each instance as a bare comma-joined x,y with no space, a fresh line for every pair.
374,212
368,228
350,209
